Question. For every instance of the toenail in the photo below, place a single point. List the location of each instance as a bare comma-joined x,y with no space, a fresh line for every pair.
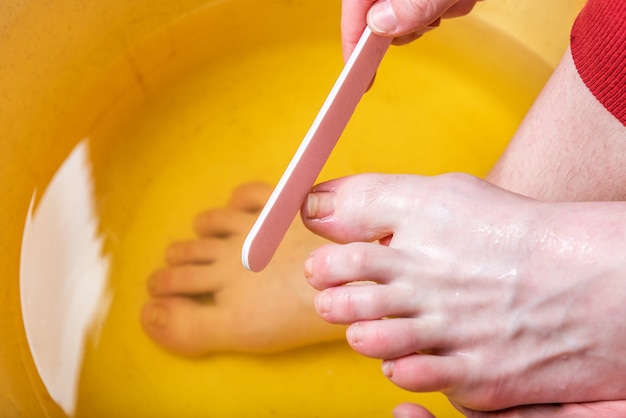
320,205
152,283
323,303
387,367
308,267
401,415
383,18
355,334
157,315
171,252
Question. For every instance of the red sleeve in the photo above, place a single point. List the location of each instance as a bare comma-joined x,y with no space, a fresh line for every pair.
598,44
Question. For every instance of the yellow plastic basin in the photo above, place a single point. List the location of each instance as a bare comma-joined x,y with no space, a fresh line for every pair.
179,101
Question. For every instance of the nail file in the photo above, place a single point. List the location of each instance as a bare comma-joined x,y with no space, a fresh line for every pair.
305,166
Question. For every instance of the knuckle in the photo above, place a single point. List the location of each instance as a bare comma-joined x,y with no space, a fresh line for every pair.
457,183
422,8
419,13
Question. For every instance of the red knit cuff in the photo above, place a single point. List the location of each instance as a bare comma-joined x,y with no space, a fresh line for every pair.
598,44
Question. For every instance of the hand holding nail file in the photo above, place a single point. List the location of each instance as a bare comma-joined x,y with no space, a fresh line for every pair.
297,180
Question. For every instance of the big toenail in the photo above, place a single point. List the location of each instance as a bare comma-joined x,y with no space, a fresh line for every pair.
355,334
157,315
320,205
323,303
387,367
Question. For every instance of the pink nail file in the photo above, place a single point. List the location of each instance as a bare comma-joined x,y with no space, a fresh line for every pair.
305,166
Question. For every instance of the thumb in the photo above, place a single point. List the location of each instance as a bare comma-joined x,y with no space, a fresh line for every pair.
401,17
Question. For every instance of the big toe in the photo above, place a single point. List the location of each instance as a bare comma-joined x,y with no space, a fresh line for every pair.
184,326
366,207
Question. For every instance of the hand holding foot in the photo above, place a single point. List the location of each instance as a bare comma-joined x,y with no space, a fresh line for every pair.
495,299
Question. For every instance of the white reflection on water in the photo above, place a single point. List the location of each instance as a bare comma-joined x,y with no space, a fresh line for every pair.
63,277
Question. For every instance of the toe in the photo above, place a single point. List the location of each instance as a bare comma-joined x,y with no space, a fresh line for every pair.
348,304
395,337
335,265
205,251
374,207
425,372
223,222
250,197
184,326
191,328
358,208
187,279
410,410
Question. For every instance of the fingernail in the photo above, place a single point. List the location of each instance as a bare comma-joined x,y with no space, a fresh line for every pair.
320,205
382,18
387,367
323,303
157,315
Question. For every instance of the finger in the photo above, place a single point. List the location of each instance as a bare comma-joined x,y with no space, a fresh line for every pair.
405,19
335,265
395,337
408,38
425,372
460,8
353,21
401,17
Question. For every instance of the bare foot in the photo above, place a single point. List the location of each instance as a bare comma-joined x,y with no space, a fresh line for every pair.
204,301
492,298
